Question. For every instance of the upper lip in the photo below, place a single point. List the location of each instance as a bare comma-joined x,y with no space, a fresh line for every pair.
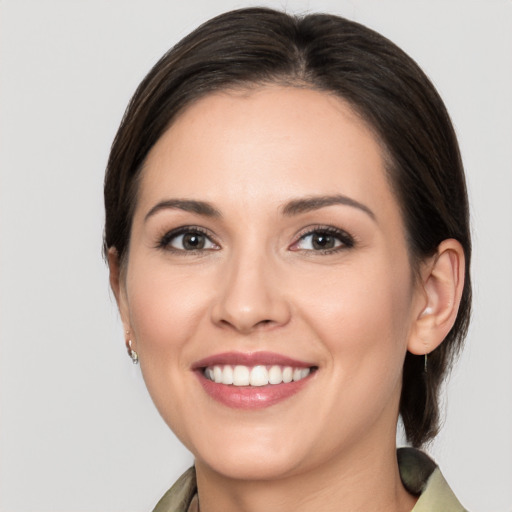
250,359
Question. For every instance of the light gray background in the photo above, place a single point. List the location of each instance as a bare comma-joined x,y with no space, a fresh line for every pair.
78,430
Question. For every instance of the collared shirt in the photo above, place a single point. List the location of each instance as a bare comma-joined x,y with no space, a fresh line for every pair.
418,472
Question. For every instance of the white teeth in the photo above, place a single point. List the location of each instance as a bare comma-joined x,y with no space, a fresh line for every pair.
296,374
259,375
275,375
241,376
217,374
287,374
227,375
300,373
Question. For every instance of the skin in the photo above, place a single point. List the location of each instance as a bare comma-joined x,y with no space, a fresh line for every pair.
260,285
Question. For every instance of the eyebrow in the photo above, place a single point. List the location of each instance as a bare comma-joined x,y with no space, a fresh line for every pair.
187,205
294,207
308,204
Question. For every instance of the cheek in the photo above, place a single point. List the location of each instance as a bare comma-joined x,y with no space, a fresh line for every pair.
362,314
165,308
363,321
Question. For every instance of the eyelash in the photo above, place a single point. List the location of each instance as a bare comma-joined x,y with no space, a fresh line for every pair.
165,241
346,240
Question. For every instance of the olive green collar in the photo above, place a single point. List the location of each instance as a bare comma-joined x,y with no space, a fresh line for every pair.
418,472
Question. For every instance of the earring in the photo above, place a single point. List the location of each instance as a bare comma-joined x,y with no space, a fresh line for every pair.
132,353
425,364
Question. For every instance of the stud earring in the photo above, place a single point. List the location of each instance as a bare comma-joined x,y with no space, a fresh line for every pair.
132,353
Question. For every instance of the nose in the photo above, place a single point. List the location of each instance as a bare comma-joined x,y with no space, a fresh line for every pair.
251,297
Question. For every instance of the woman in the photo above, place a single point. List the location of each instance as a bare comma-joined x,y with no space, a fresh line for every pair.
288,241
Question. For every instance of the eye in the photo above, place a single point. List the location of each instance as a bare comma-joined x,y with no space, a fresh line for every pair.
327,239
187,239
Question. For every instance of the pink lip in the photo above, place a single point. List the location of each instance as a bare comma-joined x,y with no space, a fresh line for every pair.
248,397
250,359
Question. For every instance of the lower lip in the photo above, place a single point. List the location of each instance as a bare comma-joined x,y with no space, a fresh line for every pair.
251,397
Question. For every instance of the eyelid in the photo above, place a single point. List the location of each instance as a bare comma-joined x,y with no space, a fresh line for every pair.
164,241
347,240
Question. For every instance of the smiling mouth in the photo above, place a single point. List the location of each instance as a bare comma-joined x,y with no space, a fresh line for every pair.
255,376
252,380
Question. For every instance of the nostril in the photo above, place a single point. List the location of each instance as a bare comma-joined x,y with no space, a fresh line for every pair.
263,323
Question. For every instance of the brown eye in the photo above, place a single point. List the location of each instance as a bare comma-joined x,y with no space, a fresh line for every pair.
324,240
321,241
193,241
187,240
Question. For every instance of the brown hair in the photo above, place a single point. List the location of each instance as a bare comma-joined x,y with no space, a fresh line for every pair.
386,87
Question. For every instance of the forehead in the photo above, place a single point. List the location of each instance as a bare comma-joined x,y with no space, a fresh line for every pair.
267,143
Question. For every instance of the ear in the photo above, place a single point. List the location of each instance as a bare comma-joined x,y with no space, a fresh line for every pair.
442,282
117,284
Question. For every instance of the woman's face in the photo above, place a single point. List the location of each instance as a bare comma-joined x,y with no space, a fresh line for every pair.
266,245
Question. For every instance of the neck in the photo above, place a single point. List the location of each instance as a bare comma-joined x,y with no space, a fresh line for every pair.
359,481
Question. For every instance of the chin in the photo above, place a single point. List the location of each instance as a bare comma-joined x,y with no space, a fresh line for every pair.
262,466
252,453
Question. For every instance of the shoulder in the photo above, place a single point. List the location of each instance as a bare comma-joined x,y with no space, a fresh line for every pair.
421,476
